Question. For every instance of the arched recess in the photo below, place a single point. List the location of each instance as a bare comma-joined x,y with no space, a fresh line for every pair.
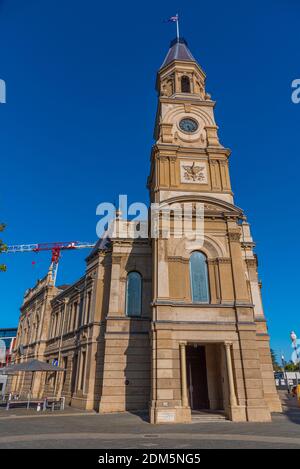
211,247
133,305
175,114
185,84
199,277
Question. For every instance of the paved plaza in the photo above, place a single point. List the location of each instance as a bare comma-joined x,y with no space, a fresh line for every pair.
75,429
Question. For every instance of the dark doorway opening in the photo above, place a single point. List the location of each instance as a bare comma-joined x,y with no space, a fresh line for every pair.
197,377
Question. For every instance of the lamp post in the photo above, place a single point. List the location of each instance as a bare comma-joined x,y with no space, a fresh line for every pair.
283,363
293,337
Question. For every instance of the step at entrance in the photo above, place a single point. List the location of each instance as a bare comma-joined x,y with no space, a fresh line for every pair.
208,417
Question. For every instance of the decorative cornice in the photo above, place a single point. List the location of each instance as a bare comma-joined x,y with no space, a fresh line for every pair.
194,102
210,323
178,259
128,319
212,261
224,260
188,304
248,245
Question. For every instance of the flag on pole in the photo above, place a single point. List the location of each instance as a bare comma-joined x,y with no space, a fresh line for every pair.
174,19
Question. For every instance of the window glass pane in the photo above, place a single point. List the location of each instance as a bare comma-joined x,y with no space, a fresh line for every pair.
134,294
199,278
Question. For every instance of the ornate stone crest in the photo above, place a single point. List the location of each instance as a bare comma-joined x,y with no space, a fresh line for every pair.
192,172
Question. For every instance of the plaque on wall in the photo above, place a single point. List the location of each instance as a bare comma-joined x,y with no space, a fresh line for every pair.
166,416
192,172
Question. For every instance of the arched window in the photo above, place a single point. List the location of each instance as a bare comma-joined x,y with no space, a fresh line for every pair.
199,278
134,294
185,84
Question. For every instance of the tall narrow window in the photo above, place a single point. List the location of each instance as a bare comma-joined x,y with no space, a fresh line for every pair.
134,294
37,328
75,304
80,312
88,306
82,377
199,278
185,84
57,321
70,309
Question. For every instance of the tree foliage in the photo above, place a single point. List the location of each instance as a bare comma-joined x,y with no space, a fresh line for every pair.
291,367
276,366
3,248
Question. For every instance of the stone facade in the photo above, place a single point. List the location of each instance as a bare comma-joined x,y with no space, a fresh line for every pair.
178,355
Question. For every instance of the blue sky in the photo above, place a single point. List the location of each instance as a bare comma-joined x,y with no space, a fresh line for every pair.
78,124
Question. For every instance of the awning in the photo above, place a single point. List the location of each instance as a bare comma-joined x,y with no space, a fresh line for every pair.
31,365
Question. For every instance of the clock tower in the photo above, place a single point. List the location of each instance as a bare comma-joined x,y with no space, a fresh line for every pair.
186,133
210,344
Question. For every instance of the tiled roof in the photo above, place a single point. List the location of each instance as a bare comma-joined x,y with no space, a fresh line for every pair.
178,51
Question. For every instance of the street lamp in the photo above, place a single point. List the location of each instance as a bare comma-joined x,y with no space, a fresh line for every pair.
283,363
293,337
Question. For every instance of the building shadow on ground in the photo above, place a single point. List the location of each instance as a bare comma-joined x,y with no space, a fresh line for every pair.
290,407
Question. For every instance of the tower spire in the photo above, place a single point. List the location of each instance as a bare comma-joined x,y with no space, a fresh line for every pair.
178,51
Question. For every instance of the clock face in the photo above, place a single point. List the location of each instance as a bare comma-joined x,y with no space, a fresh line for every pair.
188,125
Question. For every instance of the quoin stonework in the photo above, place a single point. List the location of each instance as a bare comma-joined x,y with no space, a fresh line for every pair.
168,324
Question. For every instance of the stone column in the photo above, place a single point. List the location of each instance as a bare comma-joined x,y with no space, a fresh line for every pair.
184,398
232,396
114,297
214,296
238,266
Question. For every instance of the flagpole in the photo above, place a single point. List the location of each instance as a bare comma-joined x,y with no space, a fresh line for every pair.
177,27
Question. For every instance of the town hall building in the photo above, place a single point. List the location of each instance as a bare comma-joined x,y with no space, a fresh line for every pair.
172,325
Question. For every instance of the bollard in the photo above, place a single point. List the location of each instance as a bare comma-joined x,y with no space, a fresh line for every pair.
298,393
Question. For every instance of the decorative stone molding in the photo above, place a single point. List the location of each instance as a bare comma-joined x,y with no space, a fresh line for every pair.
192,172
183,260
166,133
224,260
234,236
251,262
212,261
167,86
212,136
116,259
248,245
162,158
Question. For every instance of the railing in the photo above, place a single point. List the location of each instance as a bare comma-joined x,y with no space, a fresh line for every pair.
17,400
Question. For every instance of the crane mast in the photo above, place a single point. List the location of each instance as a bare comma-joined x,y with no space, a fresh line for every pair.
55,249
